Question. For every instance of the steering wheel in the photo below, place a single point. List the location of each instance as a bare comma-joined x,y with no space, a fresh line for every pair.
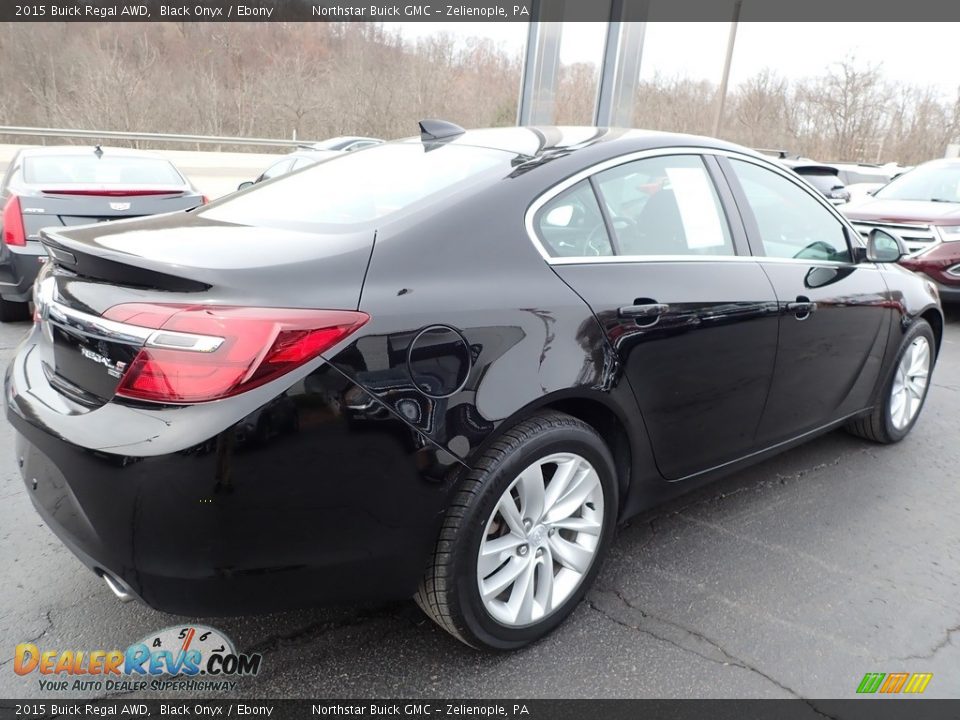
599,243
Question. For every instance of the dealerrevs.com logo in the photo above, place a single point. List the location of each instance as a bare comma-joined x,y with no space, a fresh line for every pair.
176,658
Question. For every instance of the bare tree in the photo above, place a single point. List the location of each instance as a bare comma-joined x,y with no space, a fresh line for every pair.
323,79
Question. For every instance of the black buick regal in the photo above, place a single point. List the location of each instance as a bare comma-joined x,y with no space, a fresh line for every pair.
447,367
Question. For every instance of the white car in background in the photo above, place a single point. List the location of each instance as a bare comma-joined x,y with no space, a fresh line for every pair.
863,179
311,154
345,143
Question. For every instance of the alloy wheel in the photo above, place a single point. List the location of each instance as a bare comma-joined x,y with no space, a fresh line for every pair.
540,540
910,383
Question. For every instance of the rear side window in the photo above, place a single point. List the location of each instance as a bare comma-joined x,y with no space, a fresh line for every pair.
664,206
571,224
363,187
105,170
792,223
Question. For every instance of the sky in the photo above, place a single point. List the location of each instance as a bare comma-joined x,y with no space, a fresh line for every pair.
914,53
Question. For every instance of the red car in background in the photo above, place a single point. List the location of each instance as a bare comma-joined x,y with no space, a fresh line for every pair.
922,206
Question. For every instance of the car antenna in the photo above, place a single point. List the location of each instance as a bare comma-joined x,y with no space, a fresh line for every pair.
435,130
98,151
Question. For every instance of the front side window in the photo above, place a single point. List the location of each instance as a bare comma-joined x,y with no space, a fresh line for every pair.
665,206
277,169
571,224
302,162
791,222
360,145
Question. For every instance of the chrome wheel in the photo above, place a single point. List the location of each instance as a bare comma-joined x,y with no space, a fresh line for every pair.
540,540
910,383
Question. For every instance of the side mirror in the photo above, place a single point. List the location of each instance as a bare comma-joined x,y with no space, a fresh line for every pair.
245,185
884,246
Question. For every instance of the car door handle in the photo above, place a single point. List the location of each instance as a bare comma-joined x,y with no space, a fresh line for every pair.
801,308
643,312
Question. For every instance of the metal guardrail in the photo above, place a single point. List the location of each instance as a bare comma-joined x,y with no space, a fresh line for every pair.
150,137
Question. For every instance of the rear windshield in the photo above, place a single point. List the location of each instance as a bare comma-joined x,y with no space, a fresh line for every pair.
105,170
359,188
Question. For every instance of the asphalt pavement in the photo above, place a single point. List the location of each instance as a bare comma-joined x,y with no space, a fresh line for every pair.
793,578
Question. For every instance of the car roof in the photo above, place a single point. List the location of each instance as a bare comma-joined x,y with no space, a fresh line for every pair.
942,162
541,141
350,138
858,166
310,154
342,140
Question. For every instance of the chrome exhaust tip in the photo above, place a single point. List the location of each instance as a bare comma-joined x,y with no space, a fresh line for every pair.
117,588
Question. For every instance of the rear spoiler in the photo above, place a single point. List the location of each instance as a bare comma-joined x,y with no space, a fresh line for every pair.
70,257
818,169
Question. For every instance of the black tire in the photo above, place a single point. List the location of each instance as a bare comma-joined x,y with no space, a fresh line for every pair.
14,311
448,593
878,425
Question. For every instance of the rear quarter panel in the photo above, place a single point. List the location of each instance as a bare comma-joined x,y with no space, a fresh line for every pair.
533,341
912,296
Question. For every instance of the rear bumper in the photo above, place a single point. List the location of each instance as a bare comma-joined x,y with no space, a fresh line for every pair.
314,508
18,270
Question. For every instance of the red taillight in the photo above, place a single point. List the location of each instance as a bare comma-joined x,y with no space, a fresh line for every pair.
204,200
13,231
258,345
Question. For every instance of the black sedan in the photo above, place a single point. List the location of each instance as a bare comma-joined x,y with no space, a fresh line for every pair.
447,367
62,186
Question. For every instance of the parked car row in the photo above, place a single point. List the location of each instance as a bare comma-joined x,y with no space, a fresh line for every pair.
922,206
840,182
66,186
825,178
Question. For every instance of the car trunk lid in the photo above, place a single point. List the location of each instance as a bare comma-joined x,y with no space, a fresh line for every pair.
66,206
163,262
